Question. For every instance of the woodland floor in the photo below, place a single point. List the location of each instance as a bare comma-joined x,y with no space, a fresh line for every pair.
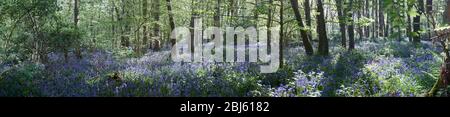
375,68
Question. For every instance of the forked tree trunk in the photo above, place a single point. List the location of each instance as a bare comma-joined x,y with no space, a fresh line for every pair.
308,47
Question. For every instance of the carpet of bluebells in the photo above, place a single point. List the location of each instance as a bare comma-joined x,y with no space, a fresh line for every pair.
374,69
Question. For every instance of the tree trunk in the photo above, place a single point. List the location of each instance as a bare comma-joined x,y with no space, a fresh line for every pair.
156,27
429,9
308,47
113,21
171,20
351,33
381,18
367,14
416,27
282,33
217,14
360,28
145,35
76,12
447,13
269,23
321,30
256,14
387,28
307,6
376,30
409,27
191,25
124,38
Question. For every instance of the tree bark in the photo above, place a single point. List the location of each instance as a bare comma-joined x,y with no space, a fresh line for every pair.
429,9
360,28
381,18
269,22
156,27
351,33
447,13
308,47
194,15
124,38
342,25
113,21
376,26
76,12
321,30
409,27
171,20
282,33
217,14
308,19
145,35
416,27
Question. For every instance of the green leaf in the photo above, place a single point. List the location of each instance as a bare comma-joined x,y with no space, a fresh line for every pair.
413,13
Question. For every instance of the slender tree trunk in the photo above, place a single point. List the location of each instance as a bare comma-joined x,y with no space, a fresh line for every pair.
371,12
93,32
417,22
351,33
145,35
360,28
232,12
447,13
399,32
388,30
217,14
156,27
409,27
124,38
191,25
321,30
308,47
342,25
120,26
282,33
76,12
386,22
367,14
269,23
113,21
308,19
171,20
376,15
256,13
381,18
429,9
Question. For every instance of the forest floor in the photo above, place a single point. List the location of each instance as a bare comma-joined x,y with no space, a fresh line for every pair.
375,68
